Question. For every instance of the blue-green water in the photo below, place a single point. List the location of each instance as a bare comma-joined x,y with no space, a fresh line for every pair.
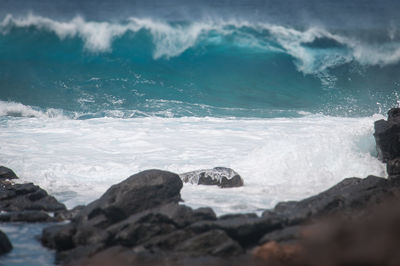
285,92
210,67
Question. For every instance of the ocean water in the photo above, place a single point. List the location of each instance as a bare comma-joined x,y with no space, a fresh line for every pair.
283,92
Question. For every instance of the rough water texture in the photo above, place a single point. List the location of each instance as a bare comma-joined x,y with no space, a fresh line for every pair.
284,92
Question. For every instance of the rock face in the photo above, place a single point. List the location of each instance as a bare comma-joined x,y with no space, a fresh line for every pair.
25,202
220,176
387,136
7,173
5,244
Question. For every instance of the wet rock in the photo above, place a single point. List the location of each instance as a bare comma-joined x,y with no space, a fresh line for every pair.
5,244
7,173
23,197
387,136
220,176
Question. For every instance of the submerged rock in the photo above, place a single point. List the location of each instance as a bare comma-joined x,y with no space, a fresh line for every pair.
220,176
7,173
5,244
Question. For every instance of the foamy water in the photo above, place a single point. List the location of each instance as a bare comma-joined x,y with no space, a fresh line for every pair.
279,159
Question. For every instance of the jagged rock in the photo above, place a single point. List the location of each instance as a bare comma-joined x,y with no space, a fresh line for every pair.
387,136
167,242
350,194
5,244
220,176
214,243
242,228
393,168
7,173
129,213
26,216
23,197
141,228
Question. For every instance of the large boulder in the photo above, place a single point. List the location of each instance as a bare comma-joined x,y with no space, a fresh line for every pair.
5,244
387,136
137,193
220,176
7,173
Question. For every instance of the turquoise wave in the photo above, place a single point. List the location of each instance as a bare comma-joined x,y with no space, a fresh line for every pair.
144,67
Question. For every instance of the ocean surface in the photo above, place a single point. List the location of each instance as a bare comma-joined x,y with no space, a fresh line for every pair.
283,92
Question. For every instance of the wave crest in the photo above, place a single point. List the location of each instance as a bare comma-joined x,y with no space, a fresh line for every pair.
173,39
20,110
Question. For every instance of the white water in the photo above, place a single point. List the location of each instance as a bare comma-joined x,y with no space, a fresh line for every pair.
170,41
279,159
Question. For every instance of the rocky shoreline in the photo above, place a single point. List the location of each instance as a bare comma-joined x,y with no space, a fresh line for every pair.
143,221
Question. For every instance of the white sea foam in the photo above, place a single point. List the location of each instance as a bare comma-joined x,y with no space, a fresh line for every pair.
279,159
19,110
172,40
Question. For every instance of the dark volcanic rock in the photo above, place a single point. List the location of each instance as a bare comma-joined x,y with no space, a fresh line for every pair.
137,193
129,213
387,136
143,213
26,216
245,229
7,173
220,176
22,197
59,237
69,214
5,244
214,243
287,234
393,168
350,194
